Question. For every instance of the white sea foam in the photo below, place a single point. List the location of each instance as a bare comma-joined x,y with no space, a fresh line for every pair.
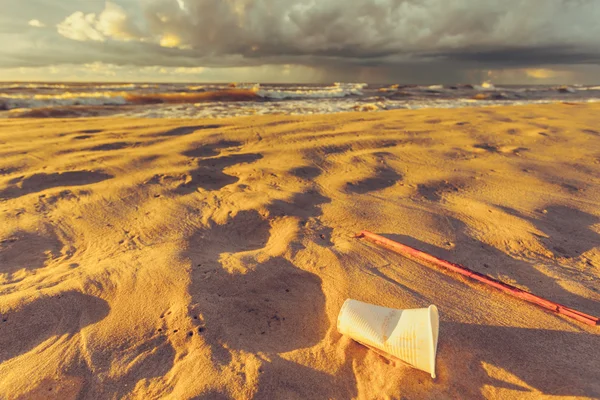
566,89
64,86
12,100
310,107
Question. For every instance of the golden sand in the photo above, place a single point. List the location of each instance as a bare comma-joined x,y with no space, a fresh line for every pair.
188,259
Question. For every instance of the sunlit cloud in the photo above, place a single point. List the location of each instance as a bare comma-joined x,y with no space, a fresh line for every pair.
190,70
36,23
112,23
541,73
556,74
181,4
170,40
119,73
81,27
115,23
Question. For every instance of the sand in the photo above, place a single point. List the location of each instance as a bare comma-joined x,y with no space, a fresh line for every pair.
186,259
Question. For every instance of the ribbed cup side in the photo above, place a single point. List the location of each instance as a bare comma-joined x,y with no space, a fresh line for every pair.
404,334
404,346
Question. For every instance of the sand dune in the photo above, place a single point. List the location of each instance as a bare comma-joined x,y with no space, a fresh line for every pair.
176,259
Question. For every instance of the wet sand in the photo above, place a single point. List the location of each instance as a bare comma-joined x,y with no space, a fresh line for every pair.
209,259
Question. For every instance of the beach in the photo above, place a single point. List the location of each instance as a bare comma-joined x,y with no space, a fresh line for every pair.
208,259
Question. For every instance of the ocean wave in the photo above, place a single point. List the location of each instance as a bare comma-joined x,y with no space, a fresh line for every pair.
336,91
588,88
229,95
10,86
13,101
244,85
194,94
249,108
566,89
195,99
64,112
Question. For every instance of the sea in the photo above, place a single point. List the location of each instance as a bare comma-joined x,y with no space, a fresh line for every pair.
196,100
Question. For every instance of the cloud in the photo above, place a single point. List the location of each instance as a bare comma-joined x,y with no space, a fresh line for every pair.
541,73
434,40
190,70
557,74
394,31
36,23
112,23
170,40
81,27
121,73
389,31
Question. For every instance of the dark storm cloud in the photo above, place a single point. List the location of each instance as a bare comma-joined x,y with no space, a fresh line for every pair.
407,29
524,57
329,33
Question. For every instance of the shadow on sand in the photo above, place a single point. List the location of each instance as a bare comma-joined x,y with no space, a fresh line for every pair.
47,318
495,263
555,363
209,174
271,307
42,181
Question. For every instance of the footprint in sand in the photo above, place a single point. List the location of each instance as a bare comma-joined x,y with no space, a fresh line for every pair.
8,170
381,175
38,182
487,147
88,133
591,132
46,320
306,172
568,230
113,146
435,190
26,250
187,130
209,174
275,307
212,149
384,177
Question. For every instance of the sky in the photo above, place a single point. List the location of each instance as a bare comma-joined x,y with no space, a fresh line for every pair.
373,41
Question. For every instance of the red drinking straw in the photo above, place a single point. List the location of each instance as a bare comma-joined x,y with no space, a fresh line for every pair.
448,266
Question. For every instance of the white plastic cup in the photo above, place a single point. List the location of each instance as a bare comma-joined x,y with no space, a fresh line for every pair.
408,335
